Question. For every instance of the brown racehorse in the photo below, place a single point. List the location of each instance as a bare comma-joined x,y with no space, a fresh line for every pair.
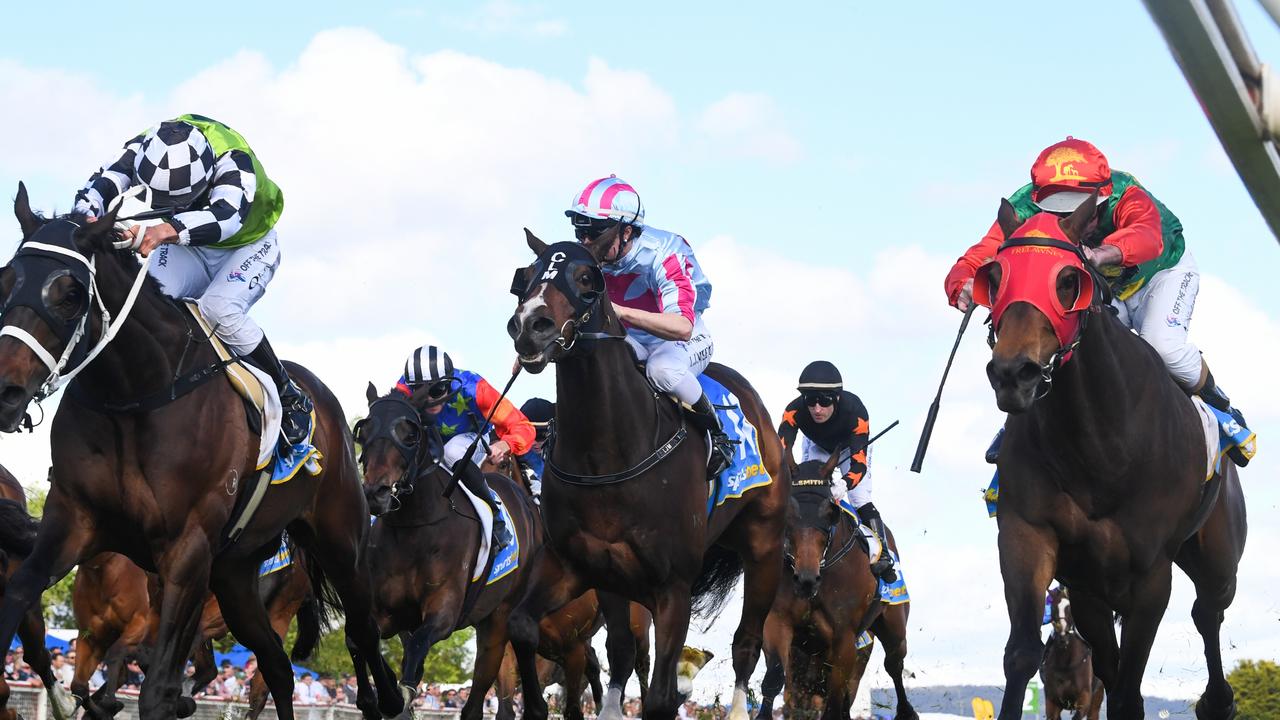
17,537
1102,482
113,604
154,478
1066,672
625,492
424,545
813,628
580,620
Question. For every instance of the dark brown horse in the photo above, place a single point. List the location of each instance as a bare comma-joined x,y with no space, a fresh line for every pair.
423,552
114,609
816,619
1066,672
1102,479
156,479
17,537
625,492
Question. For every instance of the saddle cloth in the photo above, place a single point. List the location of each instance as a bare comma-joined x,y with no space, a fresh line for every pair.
894,593
281,560
253,385
506,561
1221,433
747,471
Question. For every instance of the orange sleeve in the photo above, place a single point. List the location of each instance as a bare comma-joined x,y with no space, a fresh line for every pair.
973,258
1138,233
510,424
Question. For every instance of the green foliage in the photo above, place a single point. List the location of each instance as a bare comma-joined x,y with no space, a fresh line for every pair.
57,599
1257,686
449,661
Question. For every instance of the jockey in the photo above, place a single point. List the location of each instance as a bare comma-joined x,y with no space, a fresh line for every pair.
539,412
830,419
220,245
1137,245
457,403
659,292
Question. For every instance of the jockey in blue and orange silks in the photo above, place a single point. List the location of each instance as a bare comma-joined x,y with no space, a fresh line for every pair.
659,291
457,402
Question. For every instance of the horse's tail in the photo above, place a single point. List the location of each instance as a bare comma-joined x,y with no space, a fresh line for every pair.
323,605
311,625
721,568
17,528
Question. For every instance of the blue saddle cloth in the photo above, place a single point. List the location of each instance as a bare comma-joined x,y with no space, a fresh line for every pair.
864,640
281,560
506,561
747,471
894,593
1232,434
288,460
991,496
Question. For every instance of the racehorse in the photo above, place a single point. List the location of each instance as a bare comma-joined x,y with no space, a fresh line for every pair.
625,492
580,619
1102,474
114,612
141,469
1066,672
17,537
424,547
812,631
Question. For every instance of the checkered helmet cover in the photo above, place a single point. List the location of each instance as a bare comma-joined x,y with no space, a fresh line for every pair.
176,162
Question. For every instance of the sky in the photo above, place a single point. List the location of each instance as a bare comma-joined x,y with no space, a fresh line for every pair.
827,161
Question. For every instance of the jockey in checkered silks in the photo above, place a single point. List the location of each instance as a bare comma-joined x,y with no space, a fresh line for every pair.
220,246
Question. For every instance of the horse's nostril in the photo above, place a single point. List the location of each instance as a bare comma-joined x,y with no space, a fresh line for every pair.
13,395
542,325
1028,372
513,327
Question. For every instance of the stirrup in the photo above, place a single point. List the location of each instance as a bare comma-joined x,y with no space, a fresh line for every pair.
883,570
721,454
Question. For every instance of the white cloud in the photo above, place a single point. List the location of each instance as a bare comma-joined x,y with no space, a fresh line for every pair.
503,17
750,125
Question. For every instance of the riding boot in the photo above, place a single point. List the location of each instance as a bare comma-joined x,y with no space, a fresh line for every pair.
722,449
883,566
993,450
1216,398
475,482
296,406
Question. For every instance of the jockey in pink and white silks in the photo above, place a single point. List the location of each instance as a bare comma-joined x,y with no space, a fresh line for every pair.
659,292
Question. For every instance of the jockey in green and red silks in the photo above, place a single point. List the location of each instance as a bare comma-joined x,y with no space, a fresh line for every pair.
1134,241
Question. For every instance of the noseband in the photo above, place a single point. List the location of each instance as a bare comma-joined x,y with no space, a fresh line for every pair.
427,444
829,532
557,266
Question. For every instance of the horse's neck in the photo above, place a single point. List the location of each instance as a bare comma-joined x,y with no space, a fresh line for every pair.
145,355
605,409
426,503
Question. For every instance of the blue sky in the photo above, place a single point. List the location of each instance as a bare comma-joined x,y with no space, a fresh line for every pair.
827,161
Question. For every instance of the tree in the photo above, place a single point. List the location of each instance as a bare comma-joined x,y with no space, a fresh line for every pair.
57,599
449,661
1257,686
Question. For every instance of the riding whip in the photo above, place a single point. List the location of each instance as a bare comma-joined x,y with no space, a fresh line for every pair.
471,449
927,432
849,451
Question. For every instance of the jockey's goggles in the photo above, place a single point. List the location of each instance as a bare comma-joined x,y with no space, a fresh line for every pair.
439,390
589,229
822,399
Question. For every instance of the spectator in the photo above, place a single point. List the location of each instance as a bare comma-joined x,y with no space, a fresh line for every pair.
133,675
326,691
302,691
350,688
687,711
431,698
230,683
62,671
451,699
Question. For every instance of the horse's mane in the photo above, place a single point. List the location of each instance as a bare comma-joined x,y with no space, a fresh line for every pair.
127,260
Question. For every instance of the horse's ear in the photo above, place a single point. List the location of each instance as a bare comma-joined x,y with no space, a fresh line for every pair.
90,235
371,393
537,246
830,465
1007,218
1075,224
27,220
791,459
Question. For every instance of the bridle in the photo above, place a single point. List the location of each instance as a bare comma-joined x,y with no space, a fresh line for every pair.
558,265
829,532
421,454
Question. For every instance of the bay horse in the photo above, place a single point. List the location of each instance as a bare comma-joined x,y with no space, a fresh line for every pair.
625,493
17,538
1102,472
812,631
423,552
1066,672
154,477
114,609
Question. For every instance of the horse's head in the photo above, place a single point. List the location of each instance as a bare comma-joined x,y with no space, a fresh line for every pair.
1038,288
1061,611
562,300
396,447
812,515
47,290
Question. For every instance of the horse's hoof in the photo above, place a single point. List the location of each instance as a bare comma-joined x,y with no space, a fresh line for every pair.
907,714
184,707
62,703
1222,713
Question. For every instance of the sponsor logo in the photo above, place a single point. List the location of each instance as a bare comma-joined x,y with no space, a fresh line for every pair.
162,259
257,256
1173,321
1063,161
552,270
235,276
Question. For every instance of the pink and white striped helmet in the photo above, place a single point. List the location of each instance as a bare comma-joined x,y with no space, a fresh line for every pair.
607,199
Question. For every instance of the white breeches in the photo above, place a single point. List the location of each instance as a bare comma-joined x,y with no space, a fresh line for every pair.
1161,314
859,494
456,448
673,366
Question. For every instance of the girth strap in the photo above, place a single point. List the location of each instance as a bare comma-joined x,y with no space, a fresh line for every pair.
636,470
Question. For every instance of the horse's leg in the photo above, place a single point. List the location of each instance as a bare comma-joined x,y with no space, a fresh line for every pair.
575,670
416,645
1028,556
641,621
184,574
258,692
891,630
593,674
366,698
620,642
203,664
842,656
1052,710
551,586
506,685
1096,623
491,645
105,698
670,627
1149,598
1095,700
762,566
777,651
236,587
90,649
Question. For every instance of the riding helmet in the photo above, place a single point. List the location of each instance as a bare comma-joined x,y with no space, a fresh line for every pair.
176,162
428,364
538,411
608,198
820,376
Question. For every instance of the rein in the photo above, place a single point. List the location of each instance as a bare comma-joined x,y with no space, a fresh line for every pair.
831,531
